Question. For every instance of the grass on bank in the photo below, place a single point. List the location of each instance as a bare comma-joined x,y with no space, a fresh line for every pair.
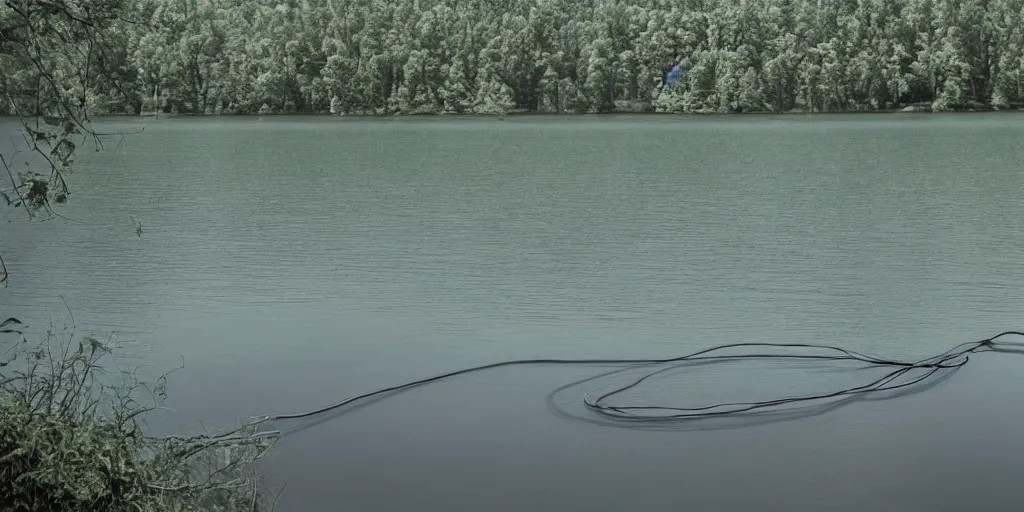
71,438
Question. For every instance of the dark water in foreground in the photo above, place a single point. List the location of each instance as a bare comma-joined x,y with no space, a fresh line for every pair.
293,262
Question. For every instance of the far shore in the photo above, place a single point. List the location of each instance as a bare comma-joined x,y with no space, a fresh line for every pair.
911,109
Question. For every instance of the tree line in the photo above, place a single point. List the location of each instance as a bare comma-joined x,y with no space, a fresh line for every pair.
495,56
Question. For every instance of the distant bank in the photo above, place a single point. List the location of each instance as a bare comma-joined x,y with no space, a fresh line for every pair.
633,111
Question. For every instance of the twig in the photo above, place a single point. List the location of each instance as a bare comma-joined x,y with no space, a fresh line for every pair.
278,496
16,189
158,487
254,489
3,269
122,134
74,325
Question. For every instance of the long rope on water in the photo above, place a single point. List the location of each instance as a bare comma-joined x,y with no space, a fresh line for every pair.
903,374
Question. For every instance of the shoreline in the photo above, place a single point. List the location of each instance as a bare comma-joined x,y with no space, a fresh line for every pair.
911,109
914,109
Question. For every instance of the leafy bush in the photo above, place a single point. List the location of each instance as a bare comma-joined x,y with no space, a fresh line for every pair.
70,439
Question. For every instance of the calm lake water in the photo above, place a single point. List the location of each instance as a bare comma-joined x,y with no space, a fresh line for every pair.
293,262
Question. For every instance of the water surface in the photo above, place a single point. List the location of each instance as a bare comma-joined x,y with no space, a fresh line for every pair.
295,261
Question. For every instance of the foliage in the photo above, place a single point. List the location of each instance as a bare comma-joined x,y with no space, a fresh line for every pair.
54,49
425,56
70,435
70,440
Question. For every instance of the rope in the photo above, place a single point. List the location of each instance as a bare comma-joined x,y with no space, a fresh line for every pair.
951,360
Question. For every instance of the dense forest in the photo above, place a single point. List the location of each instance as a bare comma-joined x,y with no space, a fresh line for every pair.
493,56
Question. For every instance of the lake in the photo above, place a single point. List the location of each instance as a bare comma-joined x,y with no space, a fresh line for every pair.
293,262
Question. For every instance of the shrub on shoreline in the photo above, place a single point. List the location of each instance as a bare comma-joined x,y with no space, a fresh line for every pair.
71,439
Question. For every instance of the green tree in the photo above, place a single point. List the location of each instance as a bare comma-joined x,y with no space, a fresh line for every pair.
385,56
